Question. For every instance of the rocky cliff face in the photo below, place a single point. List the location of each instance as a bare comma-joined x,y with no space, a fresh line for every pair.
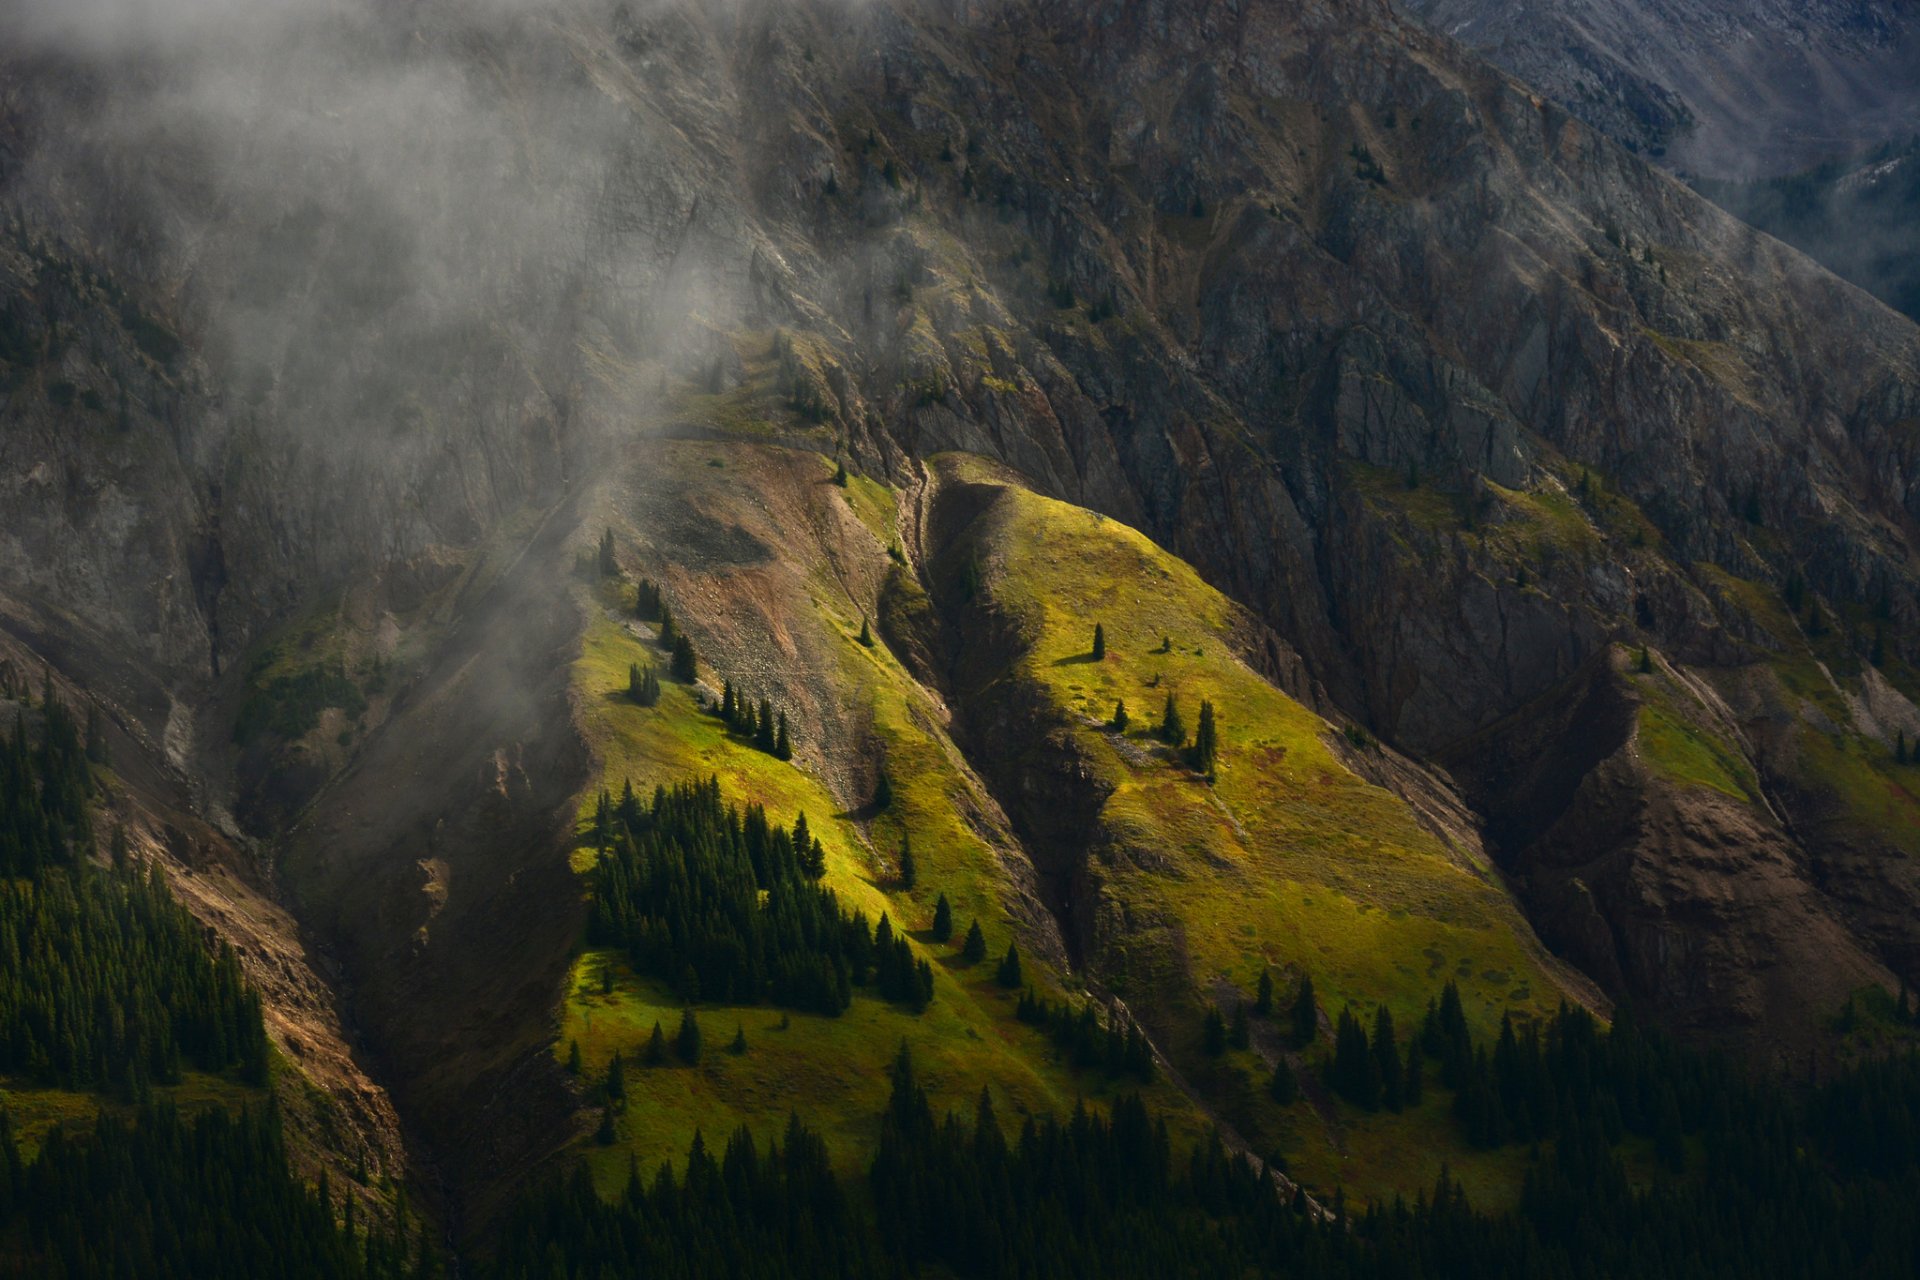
1462,399
1719,88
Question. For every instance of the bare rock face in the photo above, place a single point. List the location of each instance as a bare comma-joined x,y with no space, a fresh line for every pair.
1719,88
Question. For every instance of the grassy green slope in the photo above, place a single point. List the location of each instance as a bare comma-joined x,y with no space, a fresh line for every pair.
1289,861
832,1070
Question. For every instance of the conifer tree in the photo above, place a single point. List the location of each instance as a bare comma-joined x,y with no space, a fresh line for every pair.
908,872
783,740
1282,1087
1355,1074
763,727
840,469
942,920
668,632
1202,754
866,634
1213,1032
974,949
1645,663
1173,731
1386,1054
1119,722
608,564
729,709
1306,1014
687,1042
1099,643
1263,1001
617,1078
686,664
574,1065
646,601
739,1045
1008,974
656,1046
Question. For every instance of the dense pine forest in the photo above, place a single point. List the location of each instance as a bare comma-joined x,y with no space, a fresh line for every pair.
727,907
108,984
162,1198
1780,1185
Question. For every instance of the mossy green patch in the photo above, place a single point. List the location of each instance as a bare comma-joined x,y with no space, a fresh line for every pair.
1687,753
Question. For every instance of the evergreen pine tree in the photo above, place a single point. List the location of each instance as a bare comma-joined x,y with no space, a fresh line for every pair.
942,920
617,1078
1213,1033
739,1045
1386,1055
908,871
687,1042
1355,1074
1305,1015
1099,643
668,632
1282,1087
783,740
574,1065
1263,1001
686,664
1202,754
1119,722
1173,731
974,949
764,734
608,564
1645,663
866,634
1008,975
656,1047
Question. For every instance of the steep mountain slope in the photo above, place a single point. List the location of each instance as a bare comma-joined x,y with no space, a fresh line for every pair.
1726,89
1855,215
1291,333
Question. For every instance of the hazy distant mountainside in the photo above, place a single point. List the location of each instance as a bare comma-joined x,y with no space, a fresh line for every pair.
417,420
1860,217
1725,89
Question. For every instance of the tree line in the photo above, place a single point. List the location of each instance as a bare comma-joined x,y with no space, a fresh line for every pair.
162,1198
1790,1185
105,980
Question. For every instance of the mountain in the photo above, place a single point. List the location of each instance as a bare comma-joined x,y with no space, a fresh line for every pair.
1539,540
1854,215
1721,89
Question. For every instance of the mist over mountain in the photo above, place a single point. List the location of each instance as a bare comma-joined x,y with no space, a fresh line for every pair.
655,569
1727,90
